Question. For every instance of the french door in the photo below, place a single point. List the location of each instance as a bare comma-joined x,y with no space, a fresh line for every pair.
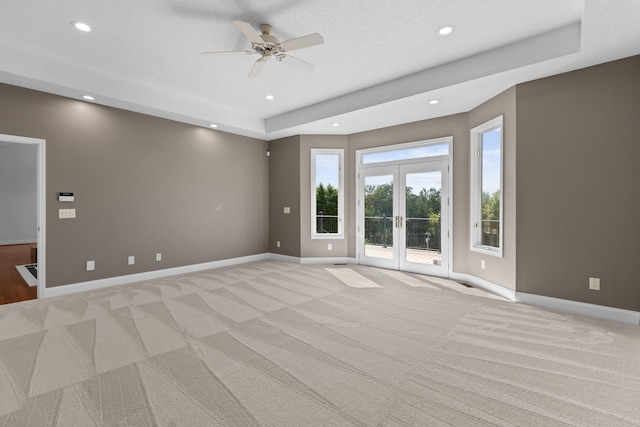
403,217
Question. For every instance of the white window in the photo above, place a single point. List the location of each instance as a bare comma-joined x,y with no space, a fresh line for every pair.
327,193
410,151
486,187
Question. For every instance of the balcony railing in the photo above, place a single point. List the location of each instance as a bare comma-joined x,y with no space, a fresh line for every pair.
421,233
326,224
491,232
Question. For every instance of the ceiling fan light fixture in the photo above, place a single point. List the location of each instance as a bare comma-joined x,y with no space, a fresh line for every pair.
446,30
269,47
81,26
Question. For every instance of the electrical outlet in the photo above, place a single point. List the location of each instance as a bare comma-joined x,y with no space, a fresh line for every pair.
66,213
158,257
287,210
329,246
594,283
91,265
277,243
482,264
132,260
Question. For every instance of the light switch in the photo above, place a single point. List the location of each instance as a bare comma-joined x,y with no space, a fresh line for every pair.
287,210
66,213
65,197
91,265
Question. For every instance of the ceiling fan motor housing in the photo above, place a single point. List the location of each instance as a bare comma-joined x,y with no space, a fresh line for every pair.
268,47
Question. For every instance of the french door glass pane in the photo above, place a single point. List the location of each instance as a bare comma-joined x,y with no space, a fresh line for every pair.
422,221
378,216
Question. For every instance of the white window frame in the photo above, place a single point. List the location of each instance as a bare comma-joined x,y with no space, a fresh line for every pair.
476,188
340,153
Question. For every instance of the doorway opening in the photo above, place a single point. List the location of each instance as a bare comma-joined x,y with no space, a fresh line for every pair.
403,207
23,242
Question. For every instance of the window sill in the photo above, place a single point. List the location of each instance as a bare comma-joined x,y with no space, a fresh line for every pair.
327,236
487,250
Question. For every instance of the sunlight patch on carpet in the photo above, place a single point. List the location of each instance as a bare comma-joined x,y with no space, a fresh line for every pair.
352,278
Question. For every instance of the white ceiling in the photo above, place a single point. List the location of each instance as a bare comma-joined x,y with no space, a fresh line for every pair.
382,61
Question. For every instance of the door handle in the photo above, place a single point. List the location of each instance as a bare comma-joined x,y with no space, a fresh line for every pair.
400,222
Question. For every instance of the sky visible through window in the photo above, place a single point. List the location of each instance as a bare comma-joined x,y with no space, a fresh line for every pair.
491,161
327,169
426,181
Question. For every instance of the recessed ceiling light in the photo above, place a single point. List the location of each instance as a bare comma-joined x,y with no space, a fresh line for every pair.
88,97
81,26
335,125
213,126
446,30
434,101
270,97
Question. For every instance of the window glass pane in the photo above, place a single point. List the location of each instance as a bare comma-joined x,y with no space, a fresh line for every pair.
406,153
490,197
327,185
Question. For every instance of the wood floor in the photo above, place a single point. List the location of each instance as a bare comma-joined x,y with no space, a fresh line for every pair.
12,287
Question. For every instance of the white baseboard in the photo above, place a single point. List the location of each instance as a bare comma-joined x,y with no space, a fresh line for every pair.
157,274
557,304
581,308
148,275
313,260
17,242
485,284
328,260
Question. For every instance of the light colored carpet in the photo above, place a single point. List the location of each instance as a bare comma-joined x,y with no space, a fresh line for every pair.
280,344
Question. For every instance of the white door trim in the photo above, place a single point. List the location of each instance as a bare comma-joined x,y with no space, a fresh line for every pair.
41,196
415,144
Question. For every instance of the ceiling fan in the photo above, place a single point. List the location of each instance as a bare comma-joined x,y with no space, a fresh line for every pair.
269,47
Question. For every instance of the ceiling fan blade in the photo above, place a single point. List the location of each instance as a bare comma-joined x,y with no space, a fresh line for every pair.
297,63
235,52
257,68
301,42
248,31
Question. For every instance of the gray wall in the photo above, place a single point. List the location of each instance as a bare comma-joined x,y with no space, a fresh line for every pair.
284,191
18,193
143,185
578,172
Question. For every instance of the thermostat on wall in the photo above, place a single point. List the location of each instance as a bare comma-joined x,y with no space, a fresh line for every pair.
65,197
